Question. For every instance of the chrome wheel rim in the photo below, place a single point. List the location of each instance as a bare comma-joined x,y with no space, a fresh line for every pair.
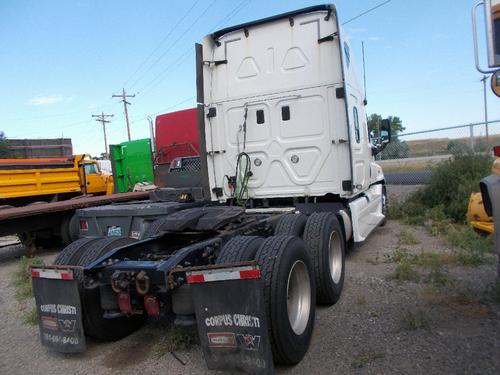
298,297
335,257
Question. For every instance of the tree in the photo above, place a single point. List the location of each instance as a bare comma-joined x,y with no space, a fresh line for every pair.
4,147
396,149
374,122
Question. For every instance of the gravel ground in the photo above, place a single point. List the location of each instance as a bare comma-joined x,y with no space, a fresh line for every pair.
365,333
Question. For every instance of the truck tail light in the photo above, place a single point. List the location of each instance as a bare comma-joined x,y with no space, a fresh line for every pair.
151,305
124,303
496,151
84,225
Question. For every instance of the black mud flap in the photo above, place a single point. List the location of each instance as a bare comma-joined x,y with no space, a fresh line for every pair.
59,310
231,317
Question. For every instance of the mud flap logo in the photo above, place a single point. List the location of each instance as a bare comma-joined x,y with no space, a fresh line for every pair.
67,325
248,342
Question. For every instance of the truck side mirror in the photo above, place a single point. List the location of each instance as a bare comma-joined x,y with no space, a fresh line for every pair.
385,131
493,31
495,82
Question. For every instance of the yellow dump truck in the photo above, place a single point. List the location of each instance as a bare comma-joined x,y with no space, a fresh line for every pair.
24,181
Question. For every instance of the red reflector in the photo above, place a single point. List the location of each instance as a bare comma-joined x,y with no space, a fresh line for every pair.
151,305
84,225
496,151
250,274
35,274
66,276
124,303
198,278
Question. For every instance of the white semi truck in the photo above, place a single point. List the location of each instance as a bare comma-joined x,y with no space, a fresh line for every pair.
287,163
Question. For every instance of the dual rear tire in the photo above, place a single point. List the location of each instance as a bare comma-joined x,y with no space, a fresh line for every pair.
82,253
288,288
296,273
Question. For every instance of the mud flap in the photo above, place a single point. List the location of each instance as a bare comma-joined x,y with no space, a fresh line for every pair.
231,317
59,309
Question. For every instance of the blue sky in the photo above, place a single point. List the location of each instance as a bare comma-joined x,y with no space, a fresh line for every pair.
62,60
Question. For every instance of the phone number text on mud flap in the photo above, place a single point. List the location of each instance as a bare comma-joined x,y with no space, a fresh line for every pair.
61,339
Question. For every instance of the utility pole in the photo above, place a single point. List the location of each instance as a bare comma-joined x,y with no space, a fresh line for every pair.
485,77
124,97
102,119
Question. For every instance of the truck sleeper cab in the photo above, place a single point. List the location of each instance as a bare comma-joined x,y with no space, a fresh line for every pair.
288,167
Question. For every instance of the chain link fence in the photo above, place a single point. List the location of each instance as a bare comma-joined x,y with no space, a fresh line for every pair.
410,157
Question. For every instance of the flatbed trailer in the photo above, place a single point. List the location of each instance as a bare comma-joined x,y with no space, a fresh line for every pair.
46,220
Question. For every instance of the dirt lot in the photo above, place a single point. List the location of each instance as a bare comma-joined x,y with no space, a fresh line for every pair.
380,325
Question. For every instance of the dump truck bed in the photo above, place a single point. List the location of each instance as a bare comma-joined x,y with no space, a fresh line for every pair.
34,177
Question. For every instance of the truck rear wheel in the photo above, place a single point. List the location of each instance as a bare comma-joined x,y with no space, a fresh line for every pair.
82,253
289,294
324,236
71,254
70,230
291,225
239,249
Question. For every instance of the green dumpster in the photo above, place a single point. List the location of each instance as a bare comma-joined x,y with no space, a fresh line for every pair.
132,163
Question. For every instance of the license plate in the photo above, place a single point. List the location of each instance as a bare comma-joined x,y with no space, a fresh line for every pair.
114,231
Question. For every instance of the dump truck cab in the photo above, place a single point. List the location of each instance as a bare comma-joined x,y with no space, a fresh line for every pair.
92,180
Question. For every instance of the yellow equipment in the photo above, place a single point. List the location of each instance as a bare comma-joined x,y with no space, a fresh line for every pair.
28,180
476,215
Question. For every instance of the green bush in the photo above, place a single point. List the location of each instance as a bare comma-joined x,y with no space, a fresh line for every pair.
452,183
447,195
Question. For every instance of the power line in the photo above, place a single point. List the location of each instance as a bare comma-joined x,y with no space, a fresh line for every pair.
231,14
102,119
175,42
157,79
124,97
366,12
161,42
183,101
175,105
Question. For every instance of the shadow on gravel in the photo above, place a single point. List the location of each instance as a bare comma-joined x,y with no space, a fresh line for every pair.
13,252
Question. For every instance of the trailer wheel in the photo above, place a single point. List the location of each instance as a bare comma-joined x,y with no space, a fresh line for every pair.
239,249
324,236
384,205
81,253
291,225
154,228
290,298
